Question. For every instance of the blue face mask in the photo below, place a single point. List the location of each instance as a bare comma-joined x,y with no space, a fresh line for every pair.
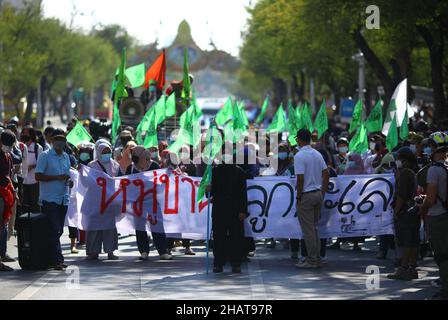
84,157
427,150
283,155
106,157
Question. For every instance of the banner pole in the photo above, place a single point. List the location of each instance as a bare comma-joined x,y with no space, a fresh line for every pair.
209,200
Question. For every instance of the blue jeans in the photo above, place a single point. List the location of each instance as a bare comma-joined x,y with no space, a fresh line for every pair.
56,215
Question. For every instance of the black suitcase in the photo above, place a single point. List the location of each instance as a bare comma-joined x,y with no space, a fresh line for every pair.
33,231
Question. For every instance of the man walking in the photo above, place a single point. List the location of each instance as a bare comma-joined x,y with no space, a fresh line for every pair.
53,174
312,182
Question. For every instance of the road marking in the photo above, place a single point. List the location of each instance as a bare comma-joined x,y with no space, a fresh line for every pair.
33,288
256,280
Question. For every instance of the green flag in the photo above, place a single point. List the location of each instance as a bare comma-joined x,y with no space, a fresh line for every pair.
197,112
78,135
356,117
159,109
359,142
392,135
305,114
170,106
136,75
214,146
119,93
225,114
374,122
186,81
299,111
278,123
321,121
404,129
237,125
260,117
293,124
242,109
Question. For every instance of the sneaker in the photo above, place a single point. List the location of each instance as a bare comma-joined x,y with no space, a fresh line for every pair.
189,252
218,269
323,261
5,268
111,256
74,250
166,256
144,256
400,274
307,265
7,258
294,255
251,254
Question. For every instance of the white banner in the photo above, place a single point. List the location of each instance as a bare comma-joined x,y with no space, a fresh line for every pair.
162,201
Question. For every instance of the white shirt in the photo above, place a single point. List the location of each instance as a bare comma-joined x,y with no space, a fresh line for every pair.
310,163
31,160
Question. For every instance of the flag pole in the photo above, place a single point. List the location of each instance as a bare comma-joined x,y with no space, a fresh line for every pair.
209,201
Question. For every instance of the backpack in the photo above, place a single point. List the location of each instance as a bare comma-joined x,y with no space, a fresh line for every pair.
444,203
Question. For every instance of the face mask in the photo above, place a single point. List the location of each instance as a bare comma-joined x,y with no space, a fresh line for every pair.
388,170
106,157
343,149
84,157
372,146
155,155
58,145
152,89
283,155
6,149
413,148
399,164
25,138
427,151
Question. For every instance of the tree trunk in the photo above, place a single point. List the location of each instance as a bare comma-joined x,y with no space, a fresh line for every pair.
280,92
30,99
436,56
377,66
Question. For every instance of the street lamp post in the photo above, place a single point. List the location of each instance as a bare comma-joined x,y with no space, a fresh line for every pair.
359,57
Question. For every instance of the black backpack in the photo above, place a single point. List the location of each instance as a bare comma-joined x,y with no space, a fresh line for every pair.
444,203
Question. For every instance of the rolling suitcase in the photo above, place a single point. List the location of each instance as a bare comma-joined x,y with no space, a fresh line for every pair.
33,231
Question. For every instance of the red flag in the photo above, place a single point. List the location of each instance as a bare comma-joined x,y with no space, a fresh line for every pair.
157,72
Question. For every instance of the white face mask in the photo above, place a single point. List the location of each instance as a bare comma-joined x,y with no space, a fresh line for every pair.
372,146
399,164
6,149
413,148
342,149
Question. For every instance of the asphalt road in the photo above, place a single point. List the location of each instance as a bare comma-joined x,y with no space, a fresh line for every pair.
269,275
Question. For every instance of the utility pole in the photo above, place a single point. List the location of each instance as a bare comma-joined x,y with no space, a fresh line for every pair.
359,57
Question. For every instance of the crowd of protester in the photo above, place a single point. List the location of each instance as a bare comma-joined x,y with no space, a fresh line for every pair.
34,177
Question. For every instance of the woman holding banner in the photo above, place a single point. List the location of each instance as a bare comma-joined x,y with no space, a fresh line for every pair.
108,239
